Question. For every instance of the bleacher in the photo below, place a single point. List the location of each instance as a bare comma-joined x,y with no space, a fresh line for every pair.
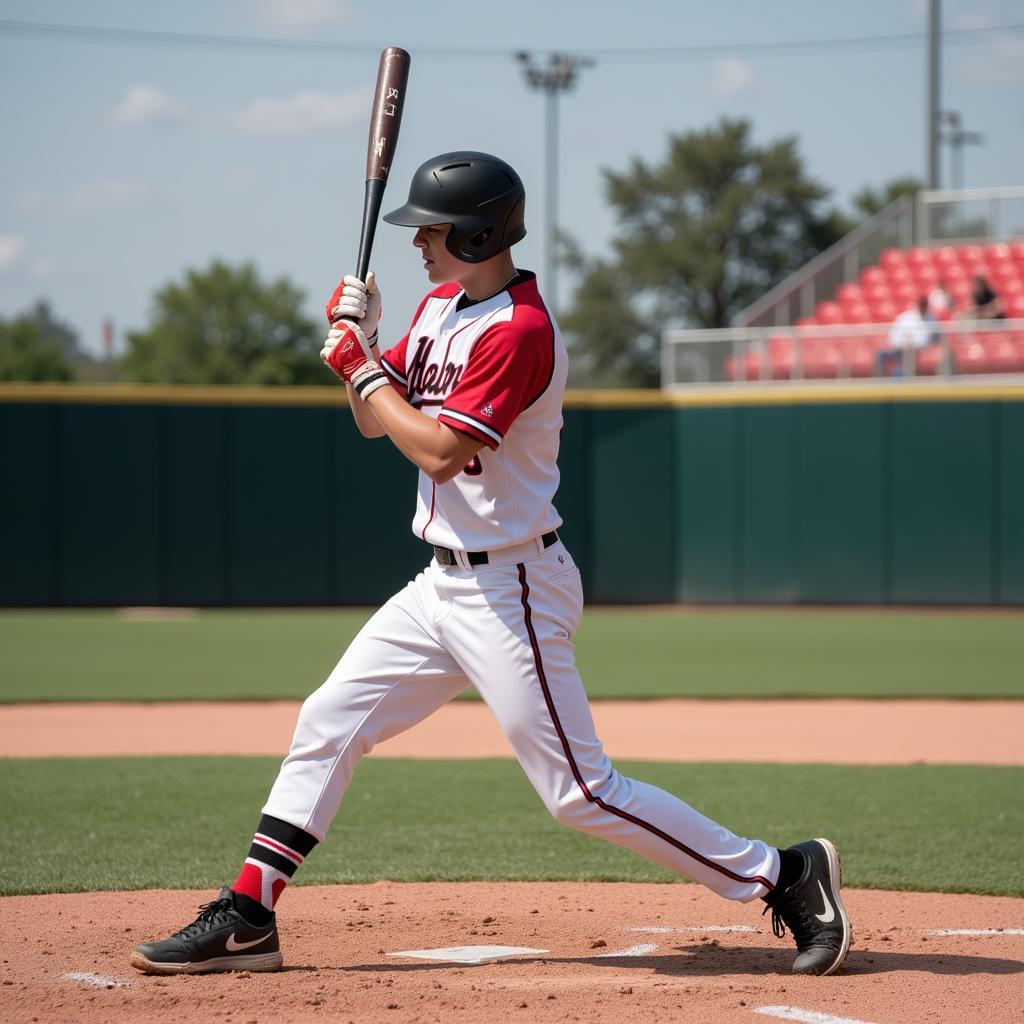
817,346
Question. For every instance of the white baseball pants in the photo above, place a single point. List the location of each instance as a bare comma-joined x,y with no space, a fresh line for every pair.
506,630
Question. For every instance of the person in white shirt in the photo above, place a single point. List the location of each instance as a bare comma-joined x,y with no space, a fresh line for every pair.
913,329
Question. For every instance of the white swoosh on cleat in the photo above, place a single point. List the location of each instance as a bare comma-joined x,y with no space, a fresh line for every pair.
827,915
234,947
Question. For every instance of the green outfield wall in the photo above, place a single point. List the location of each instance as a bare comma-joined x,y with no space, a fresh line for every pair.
161,496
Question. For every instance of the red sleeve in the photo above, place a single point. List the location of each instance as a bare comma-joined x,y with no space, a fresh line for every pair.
509,368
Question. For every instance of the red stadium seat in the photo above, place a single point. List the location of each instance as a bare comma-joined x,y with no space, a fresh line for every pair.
820,358
849,294
927,361
918,256
970,358
872,275
875,293
1010,288
747,367
926,277
1015,307
970,255
860,361
1003,356
961,290
944,257
997,252
906,294
892,258
883,312
857,314
903,273
829,313
1003,271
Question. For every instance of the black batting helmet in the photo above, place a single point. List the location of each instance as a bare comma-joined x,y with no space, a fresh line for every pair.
479,195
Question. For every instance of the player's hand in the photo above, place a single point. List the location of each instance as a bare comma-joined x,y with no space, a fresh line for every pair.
357,301
347,351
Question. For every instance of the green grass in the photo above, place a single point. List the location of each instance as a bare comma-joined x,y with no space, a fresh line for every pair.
80,825
254,655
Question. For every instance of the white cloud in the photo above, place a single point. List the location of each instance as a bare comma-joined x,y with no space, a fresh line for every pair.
972,20
109,194
302,15
11,248
145,104
305,113
1001,63
731,76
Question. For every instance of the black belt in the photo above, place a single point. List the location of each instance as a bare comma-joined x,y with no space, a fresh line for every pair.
445,556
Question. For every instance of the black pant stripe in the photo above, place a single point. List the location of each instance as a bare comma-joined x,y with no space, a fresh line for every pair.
625,815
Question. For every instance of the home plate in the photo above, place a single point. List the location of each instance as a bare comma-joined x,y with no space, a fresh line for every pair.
468,954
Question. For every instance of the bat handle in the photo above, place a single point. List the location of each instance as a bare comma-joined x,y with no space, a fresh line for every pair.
371,209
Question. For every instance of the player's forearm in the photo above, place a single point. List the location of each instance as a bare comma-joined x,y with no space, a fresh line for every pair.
441,453
366,421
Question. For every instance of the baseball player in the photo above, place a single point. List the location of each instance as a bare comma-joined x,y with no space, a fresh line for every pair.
472,394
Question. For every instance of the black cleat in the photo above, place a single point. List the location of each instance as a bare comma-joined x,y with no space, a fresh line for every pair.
812,908
219,939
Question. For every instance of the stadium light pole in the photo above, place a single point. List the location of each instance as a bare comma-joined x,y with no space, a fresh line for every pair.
559,76
934,80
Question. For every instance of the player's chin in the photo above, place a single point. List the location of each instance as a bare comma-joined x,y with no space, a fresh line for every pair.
435,274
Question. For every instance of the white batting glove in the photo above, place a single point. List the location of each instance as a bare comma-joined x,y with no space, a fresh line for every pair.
359,302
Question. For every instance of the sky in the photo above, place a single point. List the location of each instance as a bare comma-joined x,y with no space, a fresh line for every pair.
126,163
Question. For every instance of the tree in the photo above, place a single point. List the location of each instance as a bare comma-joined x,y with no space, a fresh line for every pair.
223,325
868,201
35,347
702,235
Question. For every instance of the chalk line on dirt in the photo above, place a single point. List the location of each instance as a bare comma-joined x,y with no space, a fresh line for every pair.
977,931
468,954
640,950
96,979
805,1016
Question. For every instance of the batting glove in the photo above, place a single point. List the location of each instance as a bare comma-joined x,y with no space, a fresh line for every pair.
349,354
357,301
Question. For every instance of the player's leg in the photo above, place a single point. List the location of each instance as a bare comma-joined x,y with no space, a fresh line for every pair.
393,675
515,646
521,658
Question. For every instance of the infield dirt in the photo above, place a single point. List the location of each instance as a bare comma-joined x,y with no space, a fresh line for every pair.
336,941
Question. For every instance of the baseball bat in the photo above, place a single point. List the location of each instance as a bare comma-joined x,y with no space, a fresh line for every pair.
385,120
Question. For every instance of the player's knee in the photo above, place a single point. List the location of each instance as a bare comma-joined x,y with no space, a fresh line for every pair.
574,810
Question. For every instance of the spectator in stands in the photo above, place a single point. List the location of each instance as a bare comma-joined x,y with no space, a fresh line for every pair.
941,302
911,330
985,304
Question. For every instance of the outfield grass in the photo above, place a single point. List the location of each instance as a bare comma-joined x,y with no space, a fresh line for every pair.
635,653
79,825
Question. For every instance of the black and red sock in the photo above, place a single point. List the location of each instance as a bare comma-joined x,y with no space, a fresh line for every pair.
276,852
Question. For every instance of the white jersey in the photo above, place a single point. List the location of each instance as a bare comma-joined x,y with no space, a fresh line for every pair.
494,370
